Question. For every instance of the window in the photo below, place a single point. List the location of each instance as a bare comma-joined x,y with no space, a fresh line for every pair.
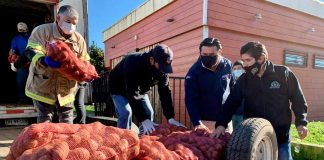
319,61
295,58
148,48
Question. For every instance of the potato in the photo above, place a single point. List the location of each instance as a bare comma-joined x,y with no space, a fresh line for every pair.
98,155
60,150
79,154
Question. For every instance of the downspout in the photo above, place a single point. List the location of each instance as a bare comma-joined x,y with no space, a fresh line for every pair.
85,18
204,19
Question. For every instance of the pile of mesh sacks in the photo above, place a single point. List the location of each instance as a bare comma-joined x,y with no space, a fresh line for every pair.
173,143
60,141
72,67
98,142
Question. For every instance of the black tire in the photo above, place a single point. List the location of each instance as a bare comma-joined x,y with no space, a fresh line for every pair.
253,139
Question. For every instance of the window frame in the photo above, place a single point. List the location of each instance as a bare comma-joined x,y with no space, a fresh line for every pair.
314,59
297,53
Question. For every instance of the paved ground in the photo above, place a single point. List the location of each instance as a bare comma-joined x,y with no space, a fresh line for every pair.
7,135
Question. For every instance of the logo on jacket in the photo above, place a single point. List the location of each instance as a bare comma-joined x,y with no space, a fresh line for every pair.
274,85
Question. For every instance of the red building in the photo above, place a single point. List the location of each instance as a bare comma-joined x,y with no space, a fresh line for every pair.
292,32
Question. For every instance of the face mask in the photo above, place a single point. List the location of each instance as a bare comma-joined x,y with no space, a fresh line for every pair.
254,69
68,28
237,73
208,61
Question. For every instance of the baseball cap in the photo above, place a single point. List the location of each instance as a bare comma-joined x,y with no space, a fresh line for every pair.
163,55
22,27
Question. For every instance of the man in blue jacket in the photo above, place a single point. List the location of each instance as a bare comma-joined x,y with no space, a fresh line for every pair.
18,46
207,84
130,81
269,91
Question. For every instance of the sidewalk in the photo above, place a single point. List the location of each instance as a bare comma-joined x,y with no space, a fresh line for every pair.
7,136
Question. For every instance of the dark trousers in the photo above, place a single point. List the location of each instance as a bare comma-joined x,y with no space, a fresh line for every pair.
22,75
46,112
79,105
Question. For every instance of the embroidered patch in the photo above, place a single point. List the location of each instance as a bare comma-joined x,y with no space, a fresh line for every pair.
274,85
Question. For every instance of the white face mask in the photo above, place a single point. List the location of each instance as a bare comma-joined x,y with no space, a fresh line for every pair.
68,28
237,73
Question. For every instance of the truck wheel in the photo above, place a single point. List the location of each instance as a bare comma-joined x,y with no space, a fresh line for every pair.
253,139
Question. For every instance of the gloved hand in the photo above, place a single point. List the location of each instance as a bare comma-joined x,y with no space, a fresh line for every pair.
172,121
13,68
51,63
147,126
201,126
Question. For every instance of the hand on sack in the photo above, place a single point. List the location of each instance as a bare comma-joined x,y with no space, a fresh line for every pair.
201,126
13,68
147,126
220,130
51,63
172,121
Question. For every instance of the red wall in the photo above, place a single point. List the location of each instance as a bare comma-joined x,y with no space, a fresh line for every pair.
187,17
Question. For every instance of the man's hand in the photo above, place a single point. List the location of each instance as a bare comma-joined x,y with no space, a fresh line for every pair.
51,63
147,126
220,130
201,126
302,131
175,123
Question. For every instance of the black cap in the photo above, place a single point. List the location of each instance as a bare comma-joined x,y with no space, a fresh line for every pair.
163,55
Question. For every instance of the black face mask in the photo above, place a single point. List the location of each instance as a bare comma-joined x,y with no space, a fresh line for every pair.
156,73
254,69
209,61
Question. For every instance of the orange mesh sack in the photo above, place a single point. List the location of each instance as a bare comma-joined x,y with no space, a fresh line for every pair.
60,141
71,66
151,149
185,144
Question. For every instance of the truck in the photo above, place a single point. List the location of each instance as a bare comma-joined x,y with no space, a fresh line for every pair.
33,13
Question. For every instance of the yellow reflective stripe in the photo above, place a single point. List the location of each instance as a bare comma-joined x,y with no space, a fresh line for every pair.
85,57
36,58
40,98
36,47
66,100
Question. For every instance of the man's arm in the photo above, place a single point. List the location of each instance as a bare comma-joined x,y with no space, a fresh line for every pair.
191,98
83,50
298,102
165,97
36,46
233,101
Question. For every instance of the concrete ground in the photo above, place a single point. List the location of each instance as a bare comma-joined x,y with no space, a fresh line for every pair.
7,136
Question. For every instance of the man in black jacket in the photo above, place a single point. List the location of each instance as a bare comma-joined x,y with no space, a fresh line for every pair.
269,91
130,81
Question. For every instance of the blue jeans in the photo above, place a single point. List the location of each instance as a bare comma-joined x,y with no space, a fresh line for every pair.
284,151
79,105
124,110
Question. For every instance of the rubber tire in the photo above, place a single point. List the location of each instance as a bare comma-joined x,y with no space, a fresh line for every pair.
246,137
